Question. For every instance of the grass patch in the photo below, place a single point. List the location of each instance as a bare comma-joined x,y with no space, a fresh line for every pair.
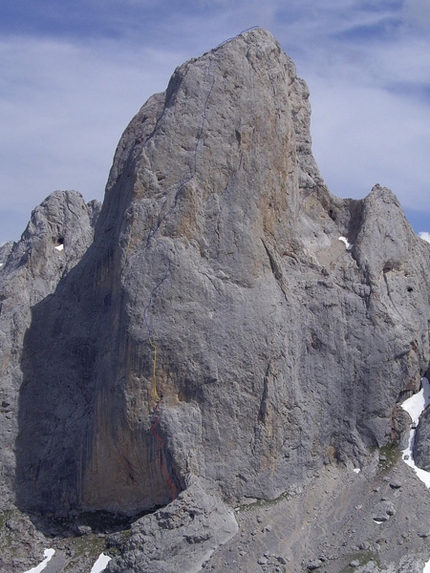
7,536
88,546
389,455
4,517
363,558
261,503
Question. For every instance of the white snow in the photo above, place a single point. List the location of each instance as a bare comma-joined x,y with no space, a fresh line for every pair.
356,470
59,247
348,245
99,566
101,563
414,406
426,236
48,553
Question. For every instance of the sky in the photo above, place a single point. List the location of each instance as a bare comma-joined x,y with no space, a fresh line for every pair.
74,72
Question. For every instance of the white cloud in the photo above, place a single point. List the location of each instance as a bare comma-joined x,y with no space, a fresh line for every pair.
417,13
62,111
64,104
371,111
406,61
425,235
363,136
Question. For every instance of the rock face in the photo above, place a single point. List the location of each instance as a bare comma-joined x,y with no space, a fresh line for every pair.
277,349
181,537
421,450
216,329
58,234
421,443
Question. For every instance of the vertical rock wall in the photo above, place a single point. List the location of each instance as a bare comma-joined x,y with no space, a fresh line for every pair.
58,234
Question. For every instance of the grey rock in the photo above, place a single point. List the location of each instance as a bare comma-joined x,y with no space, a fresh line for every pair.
400,427
395,484
83,530
180,537
5,251
383,511
57,564
32,269
421,449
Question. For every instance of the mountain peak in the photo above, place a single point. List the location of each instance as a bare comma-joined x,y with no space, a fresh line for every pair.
217,336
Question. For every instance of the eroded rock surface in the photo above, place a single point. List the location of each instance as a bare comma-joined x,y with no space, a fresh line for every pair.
181,537
328,524
58,234
421,450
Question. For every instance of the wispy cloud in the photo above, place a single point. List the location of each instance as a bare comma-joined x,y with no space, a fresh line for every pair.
74,73
368,72
62,109
417,14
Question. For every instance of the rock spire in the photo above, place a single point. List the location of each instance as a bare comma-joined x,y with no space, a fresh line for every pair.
216,335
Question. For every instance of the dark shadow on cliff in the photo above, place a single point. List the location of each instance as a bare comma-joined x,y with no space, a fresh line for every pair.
56,402
77,449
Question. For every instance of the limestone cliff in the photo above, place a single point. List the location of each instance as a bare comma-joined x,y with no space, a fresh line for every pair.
58,234
217,329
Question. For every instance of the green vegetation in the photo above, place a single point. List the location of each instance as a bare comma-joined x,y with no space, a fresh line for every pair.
88,546
8,538
261,503
363,557
4,516
388,457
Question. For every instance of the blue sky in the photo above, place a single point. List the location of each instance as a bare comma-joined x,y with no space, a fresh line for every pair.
73,73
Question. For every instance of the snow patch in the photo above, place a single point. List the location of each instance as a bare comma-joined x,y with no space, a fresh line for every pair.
101,563
59,247
48,554
356,470
414,406
348,245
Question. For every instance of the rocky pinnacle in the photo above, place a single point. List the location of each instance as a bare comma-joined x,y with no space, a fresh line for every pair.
232,332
